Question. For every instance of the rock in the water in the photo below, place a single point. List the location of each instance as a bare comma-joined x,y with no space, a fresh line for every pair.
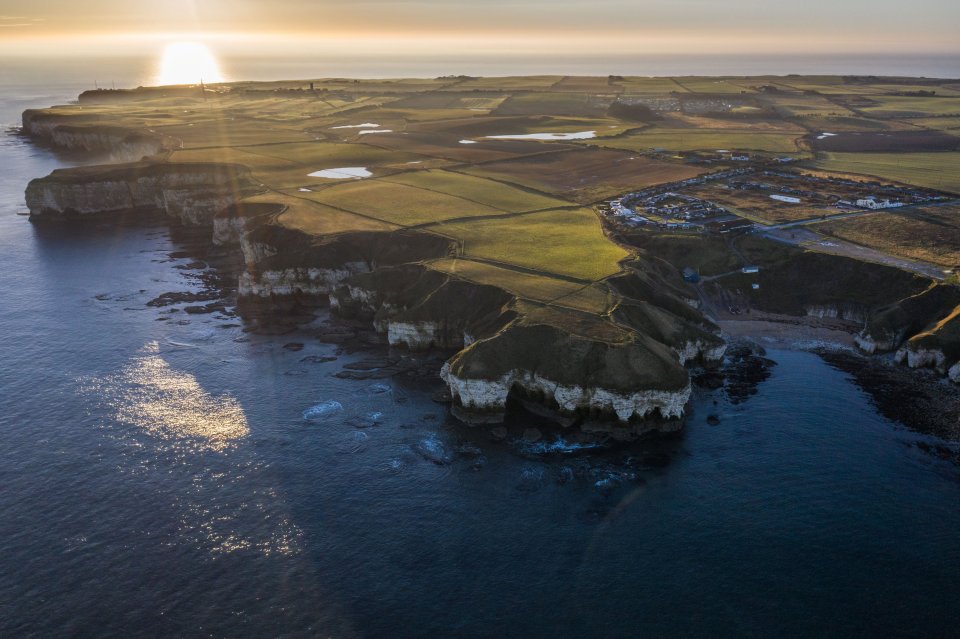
293,346
165,299
432,449
745,369
322,410
499,433
713,420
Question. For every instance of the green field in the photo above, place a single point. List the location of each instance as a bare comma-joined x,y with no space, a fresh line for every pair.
949,124
322,155
800,105
289,165
559,103
586,175
493,194
398,203
707,140
568,243
317,219
931,170
587,84
651,86
711,85
897,106
509,83
541,288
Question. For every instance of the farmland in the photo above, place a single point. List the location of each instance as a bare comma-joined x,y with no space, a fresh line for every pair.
930,234
932,170
339,156
586,175
708,140
562,242
398,203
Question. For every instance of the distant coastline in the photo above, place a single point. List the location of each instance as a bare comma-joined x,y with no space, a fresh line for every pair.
138,69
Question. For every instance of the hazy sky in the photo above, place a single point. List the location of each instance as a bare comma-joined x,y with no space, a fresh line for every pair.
597,26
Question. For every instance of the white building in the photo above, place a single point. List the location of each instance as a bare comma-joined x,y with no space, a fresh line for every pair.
873,203
785,198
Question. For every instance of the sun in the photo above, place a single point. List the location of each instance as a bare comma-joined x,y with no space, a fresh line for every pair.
188,63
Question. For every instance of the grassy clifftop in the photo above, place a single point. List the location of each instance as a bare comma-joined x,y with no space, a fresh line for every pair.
481,190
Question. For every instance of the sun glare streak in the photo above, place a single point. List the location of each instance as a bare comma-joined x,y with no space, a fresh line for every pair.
172,405
188,63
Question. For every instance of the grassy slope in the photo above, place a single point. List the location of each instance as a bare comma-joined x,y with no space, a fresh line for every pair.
939,170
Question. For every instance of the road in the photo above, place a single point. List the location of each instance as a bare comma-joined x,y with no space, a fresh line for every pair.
808,239
821,219
805,238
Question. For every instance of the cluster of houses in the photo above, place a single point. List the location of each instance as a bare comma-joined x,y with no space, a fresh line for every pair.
786,193
732,156
674,210
725,156
893,196
874,203
883,196
665,206
678,206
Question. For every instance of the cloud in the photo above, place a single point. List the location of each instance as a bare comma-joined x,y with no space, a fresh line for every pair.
19,21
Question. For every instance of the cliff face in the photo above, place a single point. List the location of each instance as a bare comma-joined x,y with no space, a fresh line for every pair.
626,366
937,346
922,358
282,261
191,194
74,134
923,329
573,374
231,224
848,312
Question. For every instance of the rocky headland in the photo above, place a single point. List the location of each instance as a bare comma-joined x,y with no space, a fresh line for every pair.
625,363
627,369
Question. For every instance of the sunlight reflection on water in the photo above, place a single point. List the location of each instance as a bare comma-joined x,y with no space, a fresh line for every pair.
222,504
170,404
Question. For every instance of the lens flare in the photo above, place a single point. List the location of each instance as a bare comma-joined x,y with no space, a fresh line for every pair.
188,63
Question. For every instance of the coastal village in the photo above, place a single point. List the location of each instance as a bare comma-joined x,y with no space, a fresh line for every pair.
755,198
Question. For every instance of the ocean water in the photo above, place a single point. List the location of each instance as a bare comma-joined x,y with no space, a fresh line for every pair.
184,478
138,68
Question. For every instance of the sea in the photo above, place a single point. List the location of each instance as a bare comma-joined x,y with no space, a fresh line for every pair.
139,68
169,474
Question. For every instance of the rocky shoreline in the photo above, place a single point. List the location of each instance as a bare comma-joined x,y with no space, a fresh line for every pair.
614,371
921,400
629,373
